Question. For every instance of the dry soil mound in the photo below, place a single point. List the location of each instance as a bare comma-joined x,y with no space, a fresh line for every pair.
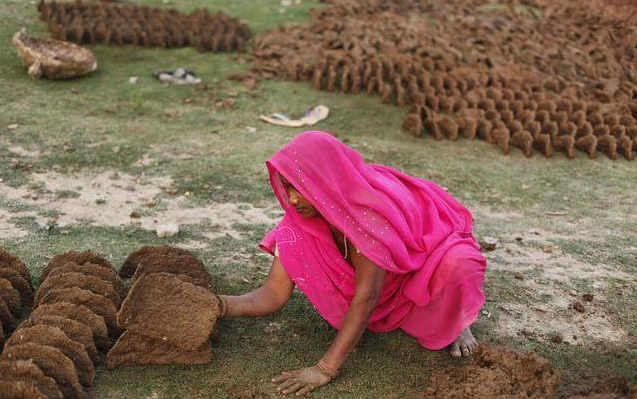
497,374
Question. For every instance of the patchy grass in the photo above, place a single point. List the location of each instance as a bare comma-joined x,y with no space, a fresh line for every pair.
103,122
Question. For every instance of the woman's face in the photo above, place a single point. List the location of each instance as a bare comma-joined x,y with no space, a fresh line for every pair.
298,201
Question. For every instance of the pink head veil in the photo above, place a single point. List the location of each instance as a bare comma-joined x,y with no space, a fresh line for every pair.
397,221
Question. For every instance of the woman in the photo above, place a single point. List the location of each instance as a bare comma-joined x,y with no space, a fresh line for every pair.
371,247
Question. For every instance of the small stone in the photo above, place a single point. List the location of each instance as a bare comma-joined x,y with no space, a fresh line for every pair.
488,243
34,196
527,331
556,338
588,297
172,191
273,327
547,249
518,276
68,147
518,239
75,90
135,215
12,126
572,293
252,129
133,80
151,203
167,230
115,149
579,307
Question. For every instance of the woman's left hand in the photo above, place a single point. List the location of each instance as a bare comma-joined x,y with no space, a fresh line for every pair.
301,381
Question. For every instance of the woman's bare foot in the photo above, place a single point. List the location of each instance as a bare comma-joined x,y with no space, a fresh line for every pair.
464,344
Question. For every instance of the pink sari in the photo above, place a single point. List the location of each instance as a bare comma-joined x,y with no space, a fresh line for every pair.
408,226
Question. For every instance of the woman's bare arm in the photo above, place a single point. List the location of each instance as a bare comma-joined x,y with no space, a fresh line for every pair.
267,299
369,283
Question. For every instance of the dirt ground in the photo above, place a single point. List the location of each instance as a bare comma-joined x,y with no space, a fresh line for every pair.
100,163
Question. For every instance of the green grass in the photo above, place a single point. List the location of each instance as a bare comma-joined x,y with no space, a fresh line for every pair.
210,152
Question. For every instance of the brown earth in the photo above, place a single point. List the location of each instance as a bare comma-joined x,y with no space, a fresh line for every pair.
81,314
53,364
78,280
54,337
95,302
497,373
6,318
559,82
28,372
134,349
19,390
75,330
1,336
143,26
20,284
9,261
171,260
76,257
162,306
11,297
92,269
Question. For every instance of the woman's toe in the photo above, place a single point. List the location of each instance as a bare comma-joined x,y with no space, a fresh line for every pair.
465,350
454,350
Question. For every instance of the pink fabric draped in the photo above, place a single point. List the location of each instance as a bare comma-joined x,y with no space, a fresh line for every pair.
408,226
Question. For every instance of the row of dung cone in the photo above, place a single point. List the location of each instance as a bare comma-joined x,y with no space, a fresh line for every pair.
16,292
53,352
167,317
98,22
503,75
507,111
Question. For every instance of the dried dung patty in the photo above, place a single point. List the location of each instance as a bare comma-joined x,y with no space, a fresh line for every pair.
53,364
75,330
175,262
133,349
54,337
78,280
19,390
6,318
132,261
28,372
79,313
97,303
9,261
76,257
20,284
162,306
92,269
11,297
